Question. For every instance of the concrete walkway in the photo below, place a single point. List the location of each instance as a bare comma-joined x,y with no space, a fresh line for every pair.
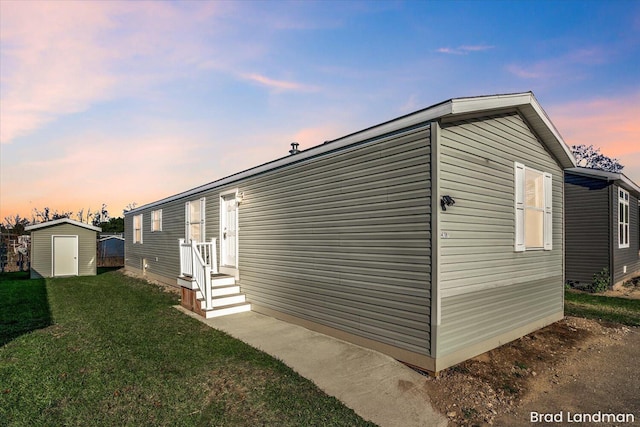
375,386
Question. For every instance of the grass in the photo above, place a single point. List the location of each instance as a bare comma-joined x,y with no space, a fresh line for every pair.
611,309
110,350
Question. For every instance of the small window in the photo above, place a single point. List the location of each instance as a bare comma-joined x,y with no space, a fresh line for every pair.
534,218
156,220
623,219
137,229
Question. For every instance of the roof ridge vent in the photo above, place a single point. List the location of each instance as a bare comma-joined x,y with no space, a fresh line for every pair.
294,148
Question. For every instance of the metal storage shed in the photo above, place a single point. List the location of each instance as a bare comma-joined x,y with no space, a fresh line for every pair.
63,247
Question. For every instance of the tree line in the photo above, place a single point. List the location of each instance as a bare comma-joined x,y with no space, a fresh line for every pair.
100,218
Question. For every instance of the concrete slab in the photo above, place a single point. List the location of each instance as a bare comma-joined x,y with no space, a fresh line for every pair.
377,387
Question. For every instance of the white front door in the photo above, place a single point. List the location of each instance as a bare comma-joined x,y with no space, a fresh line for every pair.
228,231
65,256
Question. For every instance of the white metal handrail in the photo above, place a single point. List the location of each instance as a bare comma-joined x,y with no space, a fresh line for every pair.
207,251
198,261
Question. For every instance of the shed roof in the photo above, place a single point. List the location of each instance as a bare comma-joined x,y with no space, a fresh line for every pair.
617,177
61,221
525,103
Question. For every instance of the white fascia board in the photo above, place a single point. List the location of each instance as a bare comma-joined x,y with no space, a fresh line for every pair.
413,119
102,239
62,221
485,103
529,106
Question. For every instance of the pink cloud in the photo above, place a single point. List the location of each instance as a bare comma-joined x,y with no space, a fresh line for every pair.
278,84
608,123
60,58
564,66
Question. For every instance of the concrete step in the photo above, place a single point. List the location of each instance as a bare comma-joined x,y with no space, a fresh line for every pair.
226,310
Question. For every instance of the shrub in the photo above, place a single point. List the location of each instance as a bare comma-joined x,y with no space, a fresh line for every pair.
601,281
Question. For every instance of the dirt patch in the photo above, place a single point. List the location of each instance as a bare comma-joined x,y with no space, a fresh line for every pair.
497,387
628,289
163,286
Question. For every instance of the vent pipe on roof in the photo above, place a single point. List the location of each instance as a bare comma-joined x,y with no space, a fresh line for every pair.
294,148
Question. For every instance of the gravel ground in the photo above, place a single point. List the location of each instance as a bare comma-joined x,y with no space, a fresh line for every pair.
575,365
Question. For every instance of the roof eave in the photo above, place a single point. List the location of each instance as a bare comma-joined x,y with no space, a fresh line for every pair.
524,102
527,104
616,177
62,221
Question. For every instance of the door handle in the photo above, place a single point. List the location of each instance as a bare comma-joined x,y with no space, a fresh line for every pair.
224,234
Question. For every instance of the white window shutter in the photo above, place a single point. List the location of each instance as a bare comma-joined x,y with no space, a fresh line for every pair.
519,204
202,219
187,217
548,212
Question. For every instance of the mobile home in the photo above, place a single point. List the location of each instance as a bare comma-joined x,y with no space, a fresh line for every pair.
602,227
432,238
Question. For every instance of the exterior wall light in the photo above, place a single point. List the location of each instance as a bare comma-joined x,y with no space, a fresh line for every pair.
446,201
239,197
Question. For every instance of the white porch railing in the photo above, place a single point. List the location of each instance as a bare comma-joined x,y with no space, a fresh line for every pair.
198,260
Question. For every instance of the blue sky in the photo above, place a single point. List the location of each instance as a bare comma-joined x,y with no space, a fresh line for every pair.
121,102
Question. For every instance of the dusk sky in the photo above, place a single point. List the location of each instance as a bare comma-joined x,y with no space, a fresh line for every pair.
122,102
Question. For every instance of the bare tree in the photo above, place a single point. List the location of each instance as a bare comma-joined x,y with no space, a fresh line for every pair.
130,207
590,157
15,223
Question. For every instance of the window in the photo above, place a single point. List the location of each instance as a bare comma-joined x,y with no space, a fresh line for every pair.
623,218
137,229
156,220
194,220
534,218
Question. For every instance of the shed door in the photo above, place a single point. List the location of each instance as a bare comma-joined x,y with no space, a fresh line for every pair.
65,256
229,230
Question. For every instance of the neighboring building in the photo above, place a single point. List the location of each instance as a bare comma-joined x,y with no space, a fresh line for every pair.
111,250
63,247
602,229
432,238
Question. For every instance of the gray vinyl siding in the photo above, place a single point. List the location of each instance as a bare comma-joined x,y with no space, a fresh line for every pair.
486,287
160,248
42,250
344,241
628,257
588,230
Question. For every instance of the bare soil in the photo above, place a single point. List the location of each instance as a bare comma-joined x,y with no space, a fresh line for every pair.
576,365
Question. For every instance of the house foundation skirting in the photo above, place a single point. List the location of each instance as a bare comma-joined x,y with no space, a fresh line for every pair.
152,277
474,350
421,361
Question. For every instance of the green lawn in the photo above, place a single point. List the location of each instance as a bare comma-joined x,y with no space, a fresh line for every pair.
110,350
611,309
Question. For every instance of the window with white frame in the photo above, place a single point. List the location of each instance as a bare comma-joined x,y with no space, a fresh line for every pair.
623,218
137,229
195,220
534,216
156,220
